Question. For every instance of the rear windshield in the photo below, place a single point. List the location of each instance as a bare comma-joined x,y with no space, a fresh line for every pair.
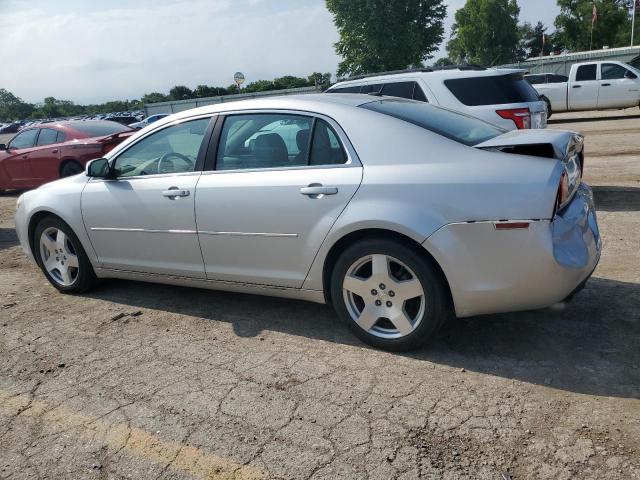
96,128
453,125
495,90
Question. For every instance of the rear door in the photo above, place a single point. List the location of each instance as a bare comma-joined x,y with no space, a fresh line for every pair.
583,91
45,156
618,87
279,183
16,164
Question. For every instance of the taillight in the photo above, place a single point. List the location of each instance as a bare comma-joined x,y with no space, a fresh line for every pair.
520,116
563,192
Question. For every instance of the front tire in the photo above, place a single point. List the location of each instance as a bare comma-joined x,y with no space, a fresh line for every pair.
61,257
390,295
70,168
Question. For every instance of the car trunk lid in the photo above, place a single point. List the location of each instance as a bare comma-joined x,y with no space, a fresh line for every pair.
565,146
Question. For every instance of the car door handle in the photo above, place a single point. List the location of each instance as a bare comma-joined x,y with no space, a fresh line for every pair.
174,192
55,150
577,86
316,190
25,156
606,84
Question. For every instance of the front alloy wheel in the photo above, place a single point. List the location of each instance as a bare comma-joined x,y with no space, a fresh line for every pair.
61,257
58,256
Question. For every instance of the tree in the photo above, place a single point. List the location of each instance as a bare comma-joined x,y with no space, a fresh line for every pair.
203,91
12,107
573,24
154,97
180,92
485,32
443,62
320,80
379,35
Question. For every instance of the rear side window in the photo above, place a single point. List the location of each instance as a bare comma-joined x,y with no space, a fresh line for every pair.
452,125
586,73
61,137
373,88
355,89
419,95
494,90
47,136
399,89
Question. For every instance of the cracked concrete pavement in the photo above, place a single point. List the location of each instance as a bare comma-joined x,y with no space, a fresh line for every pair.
199,384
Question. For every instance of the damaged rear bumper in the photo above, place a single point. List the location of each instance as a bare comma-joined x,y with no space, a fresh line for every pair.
493,271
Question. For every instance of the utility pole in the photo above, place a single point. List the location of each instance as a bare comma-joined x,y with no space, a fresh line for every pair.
633,21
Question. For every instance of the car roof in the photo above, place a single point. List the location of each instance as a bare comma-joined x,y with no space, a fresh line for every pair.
313,102
434,75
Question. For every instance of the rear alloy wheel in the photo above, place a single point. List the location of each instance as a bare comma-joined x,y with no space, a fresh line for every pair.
69,169
390,295
62,258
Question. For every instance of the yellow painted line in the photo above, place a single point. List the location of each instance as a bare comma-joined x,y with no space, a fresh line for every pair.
137,442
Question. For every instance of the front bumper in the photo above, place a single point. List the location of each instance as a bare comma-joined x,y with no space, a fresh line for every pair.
22,227
493,271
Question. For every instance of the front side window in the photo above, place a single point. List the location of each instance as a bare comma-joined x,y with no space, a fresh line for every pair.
586,73
47,136
171,150
399,89
611,71
24,139
257,141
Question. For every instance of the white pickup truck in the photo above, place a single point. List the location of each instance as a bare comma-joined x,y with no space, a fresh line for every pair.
590,86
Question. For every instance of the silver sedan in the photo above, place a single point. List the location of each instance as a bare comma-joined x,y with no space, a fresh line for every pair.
398,213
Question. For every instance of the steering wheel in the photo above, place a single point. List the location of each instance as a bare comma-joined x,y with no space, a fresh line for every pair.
168,155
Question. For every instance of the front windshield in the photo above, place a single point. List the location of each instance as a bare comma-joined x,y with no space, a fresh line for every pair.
452,125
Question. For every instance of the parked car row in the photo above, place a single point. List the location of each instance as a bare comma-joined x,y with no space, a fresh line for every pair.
398,212
46,152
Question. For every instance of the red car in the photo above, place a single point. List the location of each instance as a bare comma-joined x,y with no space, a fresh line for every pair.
50,151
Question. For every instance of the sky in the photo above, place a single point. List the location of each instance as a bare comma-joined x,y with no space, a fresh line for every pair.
92,51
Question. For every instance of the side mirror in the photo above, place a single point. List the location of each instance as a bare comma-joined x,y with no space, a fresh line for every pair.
98,168
3,147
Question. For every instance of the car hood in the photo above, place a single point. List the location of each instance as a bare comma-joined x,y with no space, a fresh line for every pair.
68,182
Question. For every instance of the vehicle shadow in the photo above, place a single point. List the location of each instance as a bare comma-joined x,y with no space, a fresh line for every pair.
617,199
556,120
8,238
590,346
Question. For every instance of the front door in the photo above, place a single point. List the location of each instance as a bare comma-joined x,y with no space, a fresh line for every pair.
280,183
583,92
618,87
144,220
16,163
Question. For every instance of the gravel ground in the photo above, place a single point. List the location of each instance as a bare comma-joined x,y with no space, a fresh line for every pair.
145,381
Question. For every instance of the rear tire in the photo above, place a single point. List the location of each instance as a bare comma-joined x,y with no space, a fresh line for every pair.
70,168
390,295
61,257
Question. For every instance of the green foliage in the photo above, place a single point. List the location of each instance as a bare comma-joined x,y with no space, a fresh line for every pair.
379,35
443,62
154,97
180,92
12,107
486,32
612,29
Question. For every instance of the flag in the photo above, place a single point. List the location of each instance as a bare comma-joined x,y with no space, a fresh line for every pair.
594,15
